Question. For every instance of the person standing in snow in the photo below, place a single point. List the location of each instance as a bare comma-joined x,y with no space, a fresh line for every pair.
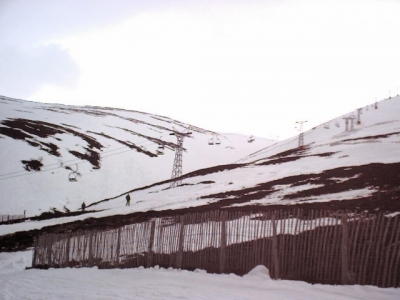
83,206
128,200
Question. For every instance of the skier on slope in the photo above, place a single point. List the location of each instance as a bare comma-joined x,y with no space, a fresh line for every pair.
128,200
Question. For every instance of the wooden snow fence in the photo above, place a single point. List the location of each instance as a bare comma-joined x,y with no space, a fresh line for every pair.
318,246
9,218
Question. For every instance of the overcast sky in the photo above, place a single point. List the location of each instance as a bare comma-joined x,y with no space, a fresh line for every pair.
252,67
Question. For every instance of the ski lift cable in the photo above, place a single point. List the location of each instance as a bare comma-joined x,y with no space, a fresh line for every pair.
20,175
63,162
58,163
44,168
79,161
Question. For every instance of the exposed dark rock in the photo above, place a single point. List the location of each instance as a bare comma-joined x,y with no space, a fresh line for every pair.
128,144
14,133
32,165
27,130
91,156
372,137
383,177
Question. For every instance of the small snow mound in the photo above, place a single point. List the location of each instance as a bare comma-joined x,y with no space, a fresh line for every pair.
259,271
21,260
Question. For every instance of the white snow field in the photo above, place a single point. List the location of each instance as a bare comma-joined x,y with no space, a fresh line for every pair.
16,283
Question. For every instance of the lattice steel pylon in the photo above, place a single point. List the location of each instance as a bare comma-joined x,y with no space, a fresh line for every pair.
301,135
177,168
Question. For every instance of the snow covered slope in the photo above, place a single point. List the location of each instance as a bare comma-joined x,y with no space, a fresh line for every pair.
337,169
113,150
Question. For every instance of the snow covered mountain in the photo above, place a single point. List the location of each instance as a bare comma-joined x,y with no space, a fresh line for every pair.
116,152
45,147
357,168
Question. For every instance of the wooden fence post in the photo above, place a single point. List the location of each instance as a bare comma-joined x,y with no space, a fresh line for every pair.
49,241
90,255
179,255
275,248
118,250
151,242
67,246
222,253
344,249
35,250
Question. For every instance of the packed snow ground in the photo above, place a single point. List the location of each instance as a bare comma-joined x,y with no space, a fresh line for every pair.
16,283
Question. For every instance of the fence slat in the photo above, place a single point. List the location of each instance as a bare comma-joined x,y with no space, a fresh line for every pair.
118,248
370,243
310,235
275,249
151,243
362,248
394,262
344,249
331,258
388,251
322,230
222,244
